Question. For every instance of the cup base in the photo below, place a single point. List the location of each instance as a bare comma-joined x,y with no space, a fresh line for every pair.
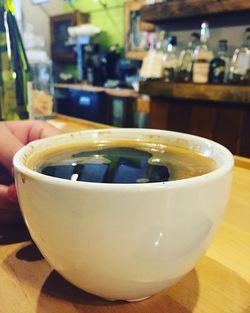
127,300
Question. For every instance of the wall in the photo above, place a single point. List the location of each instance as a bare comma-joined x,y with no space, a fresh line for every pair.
111,21
38,16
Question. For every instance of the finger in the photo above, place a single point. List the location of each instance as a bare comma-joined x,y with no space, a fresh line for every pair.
16,134
9,208
9,145
40,130
12,194
27,131
8,198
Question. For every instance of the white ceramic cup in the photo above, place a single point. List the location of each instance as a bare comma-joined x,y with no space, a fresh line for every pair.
123,241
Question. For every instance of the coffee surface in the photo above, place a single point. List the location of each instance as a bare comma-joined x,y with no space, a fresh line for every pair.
122,162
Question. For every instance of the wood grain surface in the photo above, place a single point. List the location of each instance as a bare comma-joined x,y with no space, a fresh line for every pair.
115,92
219,283
70,124
171,10
205,92
226,123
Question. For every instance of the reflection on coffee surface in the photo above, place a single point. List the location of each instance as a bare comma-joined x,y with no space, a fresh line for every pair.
122,162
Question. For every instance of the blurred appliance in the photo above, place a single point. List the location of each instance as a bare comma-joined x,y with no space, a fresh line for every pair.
127,68
126,74
62,50
112,58
94,69
95,66
80,41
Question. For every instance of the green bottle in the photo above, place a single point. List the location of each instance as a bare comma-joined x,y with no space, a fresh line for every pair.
14,67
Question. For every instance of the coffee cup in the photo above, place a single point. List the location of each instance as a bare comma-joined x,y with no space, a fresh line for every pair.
123,241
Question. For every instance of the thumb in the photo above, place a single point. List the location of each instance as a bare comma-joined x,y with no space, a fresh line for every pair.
10,146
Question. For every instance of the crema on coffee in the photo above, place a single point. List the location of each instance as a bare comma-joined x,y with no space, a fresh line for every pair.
121,162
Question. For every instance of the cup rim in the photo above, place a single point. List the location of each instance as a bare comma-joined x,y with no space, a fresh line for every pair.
225,167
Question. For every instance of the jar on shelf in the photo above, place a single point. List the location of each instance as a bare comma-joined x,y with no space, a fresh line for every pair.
42,93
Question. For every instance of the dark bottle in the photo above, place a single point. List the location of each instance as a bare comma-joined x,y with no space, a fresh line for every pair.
14,67
218,69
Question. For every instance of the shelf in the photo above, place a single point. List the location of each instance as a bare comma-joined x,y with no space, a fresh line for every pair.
136,55
64,58
193,10
130,8
60,51
204,92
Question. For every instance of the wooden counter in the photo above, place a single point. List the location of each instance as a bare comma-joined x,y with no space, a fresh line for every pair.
113,106
231,94
115,92
70,124
219,283
217,112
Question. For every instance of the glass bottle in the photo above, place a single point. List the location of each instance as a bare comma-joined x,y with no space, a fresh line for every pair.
202,56
41,102
170,59
14,68
152,65
186,59
240,64
160,37
218,69
41,93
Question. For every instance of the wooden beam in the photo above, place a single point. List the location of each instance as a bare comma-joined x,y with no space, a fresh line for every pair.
191,8
205,92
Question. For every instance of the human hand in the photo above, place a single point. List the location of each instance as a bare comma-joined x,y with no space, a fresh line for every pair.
13,136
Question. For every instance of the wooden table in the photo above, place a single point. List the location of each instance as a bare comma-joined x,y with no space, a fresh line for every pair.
220,282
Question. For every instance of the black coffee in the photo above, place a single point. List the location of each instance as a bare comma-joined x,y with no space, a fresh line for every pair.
122,163
109,165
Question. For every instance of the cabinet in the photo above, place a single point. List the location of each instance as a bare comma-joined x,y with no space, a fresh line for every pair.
61,51
134,29
217,112
117,107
